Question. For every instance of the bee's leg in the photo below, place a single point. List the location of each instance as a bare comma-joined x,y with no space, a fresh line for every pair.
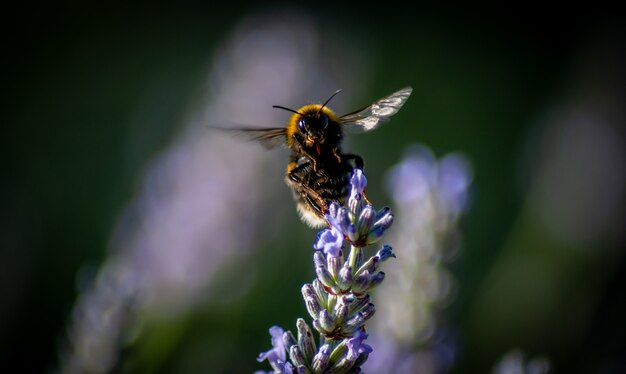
303,150
312,197
366,199
314,202
337,156
294,170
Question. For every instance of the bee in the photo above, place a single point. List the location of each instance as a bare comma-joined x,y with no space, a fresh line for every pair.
319,172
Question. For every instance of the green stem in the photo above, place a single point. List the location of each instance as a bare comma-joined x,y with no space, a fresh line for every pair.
354,254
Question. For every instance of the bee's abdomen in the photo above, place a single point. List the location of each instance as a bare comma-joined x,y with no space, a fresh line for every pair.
314,189
332,187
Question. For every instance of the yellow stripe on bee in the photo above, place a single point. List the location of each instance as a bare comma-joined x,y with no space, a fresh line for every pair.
292,165
292,125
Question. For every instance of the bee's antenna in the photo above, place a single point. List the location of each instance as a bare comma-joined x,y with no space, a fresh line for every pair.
329,99
287,109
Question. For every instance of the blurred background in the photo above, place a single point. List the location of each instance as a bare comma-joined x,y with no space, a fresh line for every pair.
135,239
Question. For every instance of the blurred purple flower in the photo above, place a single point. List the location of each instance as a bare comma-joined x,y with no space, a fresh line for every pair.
420,174
411,179
430,195
514,362
454,179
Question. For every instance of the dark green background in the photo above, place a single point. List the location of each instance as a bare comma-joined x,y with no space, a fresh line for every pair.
75,74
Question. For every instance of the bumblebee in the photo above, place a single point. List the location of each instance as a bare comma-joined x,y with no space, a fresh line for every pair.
318,172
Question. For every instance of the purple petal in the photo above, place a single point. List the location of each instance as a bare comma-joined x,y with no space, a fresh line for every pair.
455,176
358,182
356,345
278,352
329,241
385,252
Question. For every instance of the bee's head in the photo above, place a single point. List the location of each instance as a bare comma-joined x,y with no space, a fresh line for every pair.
314,125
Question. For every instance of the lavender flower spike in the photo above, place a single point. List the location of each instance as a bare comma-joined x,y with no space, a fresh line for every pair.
338,301
358,223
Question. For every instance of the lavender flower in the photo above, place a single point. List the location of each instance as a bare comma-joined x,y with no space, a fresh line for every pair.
356,345
338,299
359,222
277,356
330,241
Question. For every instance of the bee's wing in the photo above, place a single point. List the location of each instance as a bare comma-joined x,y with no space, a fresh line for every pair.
268,137
378,112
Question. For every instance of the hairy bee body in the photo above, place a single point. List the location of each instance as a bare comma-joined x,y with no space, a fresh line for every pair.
313,187
318,172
